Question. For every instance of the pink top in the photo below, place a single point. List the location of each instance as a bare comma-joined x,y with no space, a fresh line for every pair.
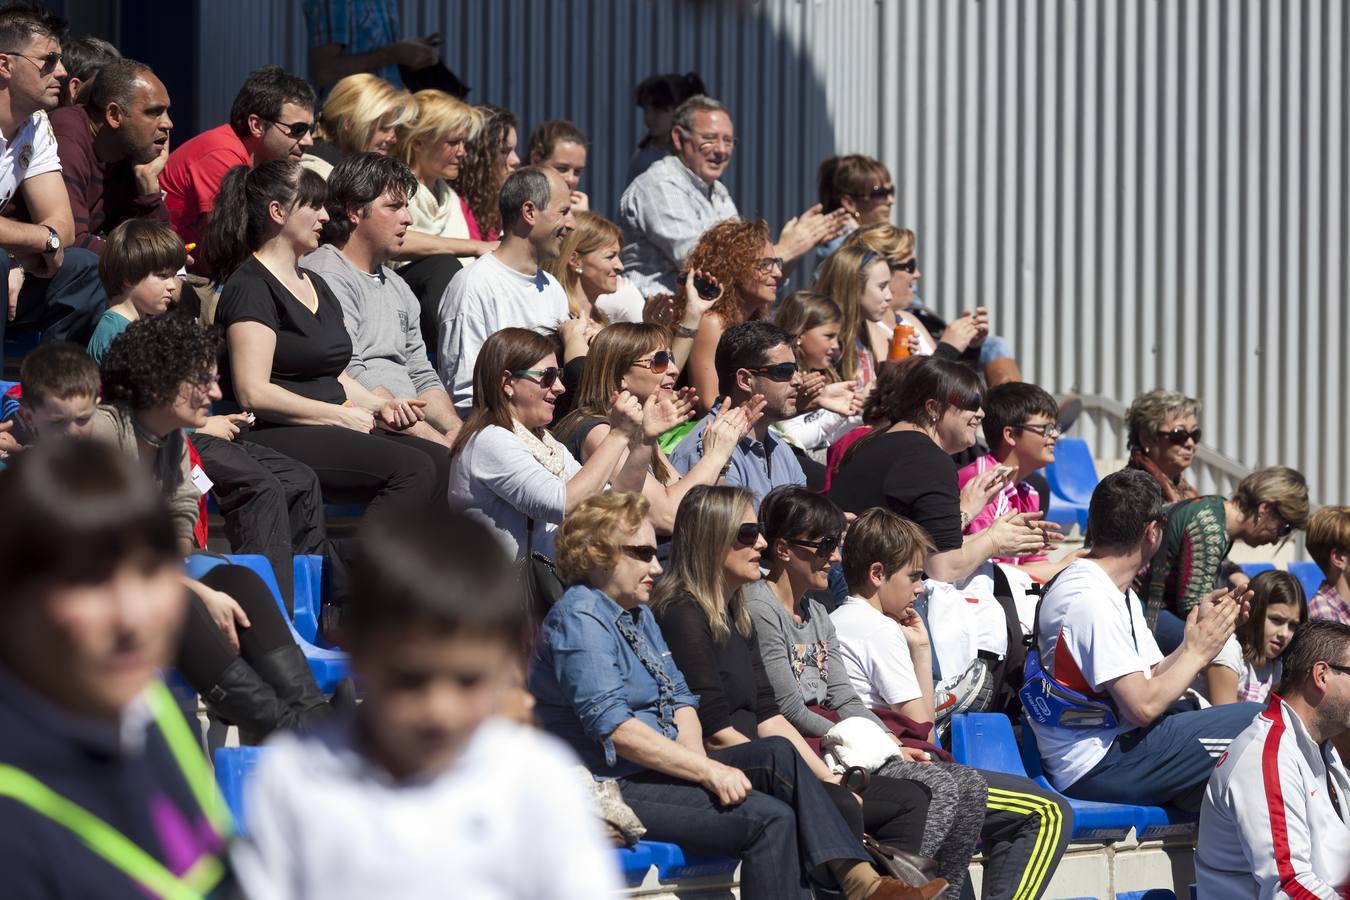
1328,604
1021,497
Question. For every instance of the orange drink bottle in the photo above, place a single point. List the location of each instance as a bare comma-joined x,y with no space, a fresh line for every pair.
900,342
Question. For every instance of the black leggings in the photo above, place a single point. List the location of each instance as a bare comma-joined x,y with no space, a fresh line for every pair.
203,652
893,811
364,468
428,277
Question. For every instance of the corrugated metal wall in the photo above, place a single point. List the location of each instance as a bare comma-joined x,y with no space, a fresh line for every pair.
1144,192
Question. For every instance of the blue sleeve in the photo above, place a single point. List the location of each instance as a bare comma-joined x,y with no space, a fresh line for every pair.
328,22
689,451
583,654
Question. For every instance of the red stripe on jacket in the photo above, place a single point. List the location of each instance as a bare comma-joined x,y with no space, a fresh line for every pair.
1270,773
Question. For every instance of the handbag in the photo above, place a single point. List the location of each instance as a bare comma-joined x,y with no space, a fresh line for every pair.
539,582
904,866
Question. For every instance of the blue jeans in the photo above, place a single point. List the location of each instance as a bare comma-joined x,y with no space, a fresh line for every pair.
65,307
1168,631
786,829
1169,761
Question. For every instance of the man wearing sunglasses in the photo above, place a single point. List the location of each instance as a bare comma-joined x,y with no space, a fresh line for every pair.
1275,821
367,219
666,209
49,288
113,148
754,359
509,287
271,118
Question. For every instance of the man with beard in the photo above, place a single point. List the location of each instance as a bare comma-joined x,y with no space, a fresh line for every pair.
756,367
49,287
508,287
113,148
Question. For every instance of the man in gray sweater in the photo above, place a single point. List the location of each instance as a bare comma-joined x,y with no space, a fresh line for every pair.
367,217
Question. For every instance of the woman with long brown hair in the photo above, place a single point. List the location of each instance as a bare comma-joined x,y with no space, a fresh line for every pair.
492,157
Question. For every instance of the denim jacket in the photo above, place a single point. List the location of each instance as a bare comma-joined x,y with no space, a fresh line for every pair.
587,680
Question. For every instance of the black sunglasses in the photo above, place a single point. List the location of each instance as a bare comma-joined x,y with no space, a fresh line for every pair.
778,372
1338,668
747,534
1179,436
911,266
641,552
824,547
545,378
659,362
879,192
1285,530
294,130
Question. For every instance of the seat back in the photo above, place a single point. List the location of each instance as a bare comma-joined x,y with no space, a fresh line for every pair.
1308,575
1072,476
1251,570
986,741
234,768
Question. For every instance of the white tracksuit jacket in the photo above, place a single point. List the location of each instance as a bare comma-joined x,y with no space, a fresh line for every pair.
1268,828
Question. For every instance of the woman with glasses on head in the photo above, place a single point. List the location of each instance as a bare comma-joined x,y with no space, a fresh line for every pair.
933,407
362,114
737,257
1268,506
606,683
508,470
637,359
288,350
701,608
491,159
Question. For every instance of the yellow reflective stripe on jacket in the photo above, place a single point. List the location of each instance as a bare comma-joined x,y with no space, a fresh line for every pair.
187,751
97,835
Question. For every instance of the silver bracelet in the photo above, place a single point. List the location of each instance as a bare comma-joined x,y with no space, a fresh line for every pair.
682,331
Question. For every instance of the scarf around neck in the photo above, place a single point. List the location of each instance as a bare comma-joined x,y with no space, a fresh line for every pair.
543,447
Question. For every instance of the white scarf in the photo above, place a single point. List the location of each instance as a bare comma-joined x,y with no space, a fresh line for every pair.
543,447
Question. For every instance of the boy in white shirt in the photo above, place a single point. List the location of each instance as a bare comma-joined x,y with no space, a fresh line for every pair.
1093,640
425,792
1276,816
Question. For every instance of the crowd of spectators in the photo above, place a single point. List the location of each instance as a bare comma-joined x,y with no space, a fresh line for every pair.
792,522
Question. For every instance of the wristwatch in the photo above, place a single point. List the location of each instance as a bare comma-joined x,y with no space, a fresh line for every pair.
53,240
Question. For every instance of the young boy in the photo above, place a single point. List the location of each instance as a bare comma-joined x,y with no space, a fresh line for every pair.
139,269
59,387
1329,545
426,792
1020,429
885,650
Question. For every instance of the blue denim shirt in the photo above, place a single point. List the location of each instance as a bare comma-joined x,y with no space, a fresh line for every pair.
587,680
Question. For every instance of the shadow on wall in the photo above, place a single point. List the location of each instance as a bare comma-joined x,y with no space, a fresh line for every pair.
581,60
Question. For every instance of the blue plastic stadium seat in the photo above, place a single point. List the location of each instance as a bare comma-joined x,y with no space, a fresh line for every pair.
234,767
1308,575
1251,570
308,570
1150,894
1072,478
673,864
328,666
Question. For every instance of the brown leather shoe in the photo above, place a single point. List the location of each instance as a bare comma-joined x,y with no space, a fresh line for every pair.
890,889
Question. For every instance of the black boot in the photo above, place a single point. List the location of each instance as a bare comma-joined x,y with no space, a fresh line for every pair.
242,697
287,671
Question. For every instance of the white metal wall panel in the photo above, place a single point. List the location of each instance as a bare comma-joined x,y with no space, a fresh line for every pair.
1144,192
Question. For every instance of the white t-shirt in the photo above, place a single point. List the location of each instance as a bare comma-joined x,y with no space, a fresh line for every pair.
1086,639
487,297
875,654
508,819
31,153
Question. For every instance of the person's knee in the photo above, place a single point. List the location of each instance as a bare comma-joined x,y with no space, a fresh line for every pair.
778,750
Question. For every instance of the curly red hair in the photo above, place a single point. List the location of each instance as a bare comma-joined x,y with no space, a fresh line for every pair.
728,251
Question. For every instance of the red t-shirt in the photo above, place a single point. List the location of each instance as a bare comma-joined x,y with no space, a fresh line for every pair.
192,177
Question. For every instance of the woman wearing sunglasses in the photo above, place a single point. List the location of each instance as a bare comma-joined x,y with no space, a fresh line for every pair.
859,185
804,663
1164,432
605,682
636,358
1266,508
738,257
362,114
506,467
701,607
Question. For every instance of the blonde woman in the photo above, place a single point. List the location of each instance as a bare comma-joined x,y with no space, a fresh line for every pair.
437,244
361,115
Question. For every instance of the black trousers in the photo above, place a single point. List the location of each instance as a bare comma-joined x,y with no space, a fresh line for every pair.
203,652
428,277
364,468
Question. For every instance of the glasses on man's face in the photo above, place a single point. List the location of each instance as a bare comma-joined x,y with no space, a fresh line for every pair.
768,264
706,143
1179,436
747,534
779,372
293,130
910,265
878,192
46,64
658,362
1045,431
824,547
641,552
545,378
1345,670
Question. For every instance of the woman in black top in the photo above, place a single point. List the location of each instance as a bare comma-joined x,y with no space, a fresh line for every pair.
288,348
716,551
934,407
